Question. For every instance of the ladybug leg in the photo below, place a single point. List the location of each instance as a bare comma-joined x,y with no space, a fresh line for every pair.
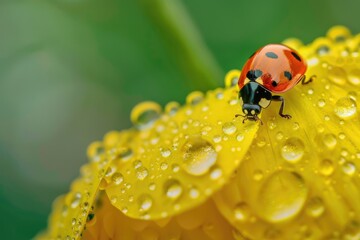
304,81
279,98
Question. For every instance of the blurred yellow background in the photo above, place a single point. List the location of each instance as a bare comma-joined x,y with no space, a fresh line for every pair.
71,70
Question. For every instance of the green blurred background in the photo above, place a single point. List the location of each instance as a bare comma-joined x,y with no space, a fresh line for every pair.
71,70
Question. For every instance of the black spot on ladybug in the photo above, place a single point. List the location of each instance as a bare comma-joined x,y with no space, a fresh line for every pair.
258,73
296,56
271,55
274,83
288,75
253,74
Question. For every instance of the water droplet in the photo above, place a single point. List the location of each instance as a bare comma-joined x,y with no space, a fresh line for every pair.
258,175
199,156
145,114
352,95
261,142
229,128
322,50
165,152
337,75
242,212
276,207
219,93
321,103
194,98
345,107
342,136
113,199
326,167
117,178
145,202
231,78
310,91
75,200
171,108
349,168
152,186
217,139
315,207
173,189
329,140
125,153
141,173
353,77
292,150
95,151
240,137
215,173
279,136
194,193
175,168
137,164
164,166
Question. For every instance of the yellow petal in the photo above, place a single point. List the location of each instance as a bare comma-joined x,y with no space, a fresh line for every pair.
300,179
180,159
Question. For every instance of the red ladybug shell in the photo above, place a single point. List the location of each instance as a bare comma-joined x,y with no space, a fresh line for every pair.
277,67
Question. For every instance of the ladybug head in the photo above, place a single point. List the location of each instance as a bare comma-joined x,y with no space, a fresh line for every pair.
251,110
254,97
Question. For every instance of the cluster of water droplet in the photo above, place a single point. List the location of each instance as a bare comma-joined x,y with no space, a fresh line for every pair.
304,172
300,173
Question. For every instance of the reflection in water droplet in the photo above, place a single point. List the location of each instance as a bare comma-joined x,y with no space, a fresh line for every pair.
141,173
165,152
137,164
276,207
215,173
321,103
349,168
117,178
345,107
242,212
164,166
173,189
292,150
240,137
326,167
353,77
144,114
171,108
194,193
76,199
125,153
315,207
194,98
229,128
329,140
199,155
231,78
152,186
145,202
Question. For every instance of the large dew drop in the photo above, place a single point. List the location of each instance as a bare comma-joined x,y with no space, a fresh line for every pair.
144,114
199,155
292,150
345,107
275,207
173,189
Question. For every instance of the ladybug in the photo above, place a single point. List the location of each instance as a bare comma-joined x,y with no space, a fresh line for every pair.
274,68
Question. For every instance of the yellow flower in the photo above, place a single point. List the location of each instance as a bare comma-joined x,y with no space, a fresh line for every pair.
197,172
